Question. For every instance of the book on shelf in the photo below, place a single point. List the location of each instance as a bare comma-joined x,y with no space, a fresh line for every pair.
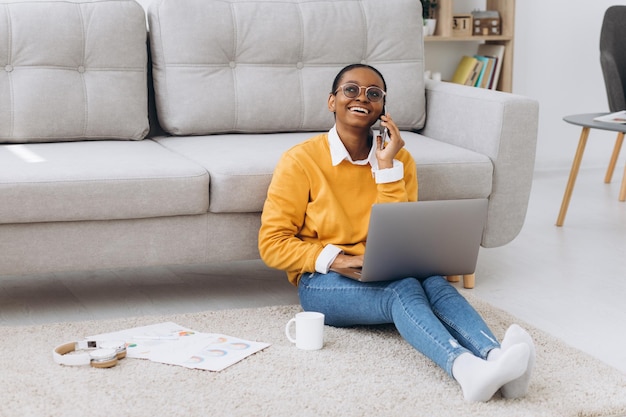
475,74
497,53
483,70
467,71
488,77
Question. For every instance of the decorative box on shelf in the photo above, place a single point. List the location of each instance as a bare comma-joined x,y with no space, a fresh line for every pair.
486,23
462,25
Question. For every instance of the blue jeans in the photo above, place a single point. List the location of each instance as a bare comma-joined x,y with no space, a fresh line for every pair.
431,314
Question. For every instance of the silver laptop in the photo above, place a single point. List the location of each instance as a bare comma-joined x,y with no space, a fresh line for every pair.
421,239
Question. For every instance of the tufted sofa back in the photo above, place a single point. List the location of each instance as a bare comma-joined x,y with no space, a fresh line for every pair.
255,66
72,70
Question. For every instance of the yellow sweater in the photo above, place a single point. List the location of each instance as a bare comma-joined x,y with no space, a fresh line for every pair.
311,203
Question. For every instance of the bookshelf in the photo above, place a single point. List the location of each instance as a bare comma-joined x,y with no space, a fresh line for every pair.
506,8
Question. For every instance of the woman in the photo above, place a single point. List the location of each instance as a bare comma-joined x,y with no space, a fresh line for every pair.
316,216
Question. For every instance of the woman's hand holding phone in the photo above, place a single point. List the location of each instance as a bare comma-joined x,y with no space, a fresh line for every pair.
385,152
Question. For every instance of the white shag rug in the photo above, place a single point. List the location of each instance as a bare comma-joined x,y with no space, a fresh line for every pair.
360,372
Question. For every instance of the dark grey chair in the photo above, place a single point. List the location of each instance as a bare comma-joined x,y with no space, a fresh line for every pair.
613,63
613,56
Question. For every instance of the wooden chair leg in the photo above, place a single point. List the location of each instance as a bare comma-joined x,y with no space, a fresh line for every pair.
469,281
453,278
609,172
582,142
622,191
614,156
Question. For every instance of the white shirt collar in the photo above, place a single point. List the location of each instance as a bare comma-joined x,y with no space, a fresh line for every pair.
338,151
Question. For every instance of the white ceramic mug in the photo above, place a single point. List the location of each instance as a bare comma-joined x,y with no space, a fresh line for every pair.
309,330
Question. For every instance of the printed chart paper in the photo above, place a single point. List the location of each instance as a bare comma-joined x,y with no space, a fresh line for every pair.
617,117
173,344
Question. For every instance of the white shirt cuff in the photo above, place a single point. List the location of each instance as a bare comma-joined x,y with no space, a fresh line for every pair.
393,174
326,258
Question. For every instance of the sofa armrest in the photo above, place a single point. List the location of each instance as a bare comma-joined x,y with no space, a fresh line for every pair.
502,126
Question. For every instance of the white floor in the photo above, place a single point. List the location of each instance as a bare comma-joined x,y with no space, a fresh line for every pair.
569,281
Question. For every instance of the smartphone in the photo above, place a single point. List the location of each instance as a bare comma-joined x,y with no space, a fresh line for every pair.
383,132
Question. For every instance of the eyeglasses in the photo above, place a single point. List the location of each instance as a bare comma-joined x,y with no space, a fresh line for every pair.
352,90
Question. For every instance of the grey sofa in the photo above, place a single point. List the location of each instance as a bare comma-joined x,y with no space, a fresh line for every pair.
117,152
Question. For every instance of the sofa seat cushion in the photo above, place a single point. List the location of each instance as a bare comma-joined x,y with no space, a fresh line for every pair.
72,70
241,167
448,172
102,180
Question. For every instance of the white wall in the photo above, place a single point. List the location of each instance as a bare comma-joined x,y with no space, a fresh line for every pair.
556,61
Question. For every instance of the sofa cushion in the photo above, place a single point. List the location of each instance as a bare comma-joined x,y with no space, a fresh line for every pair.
448,172
260,66
101,180
241,167
72,70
